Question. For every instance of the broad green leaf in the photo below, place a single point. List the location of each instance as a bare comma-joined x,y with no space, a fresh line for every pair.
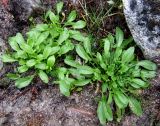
79,24
135,106
148,74
119,36
71,62
77,35
140,82
54,19
13,76
128,55
28,49
106,46
8,58
108,112
51,61
43,76
120,99
13,43
104,87
31,62
72,16
81,52
81,82
63,36
117,53
42,27
147,65
100,60
22,69
61,72
21,54
100,113
40,57
59,7
87,45
66,48
19,38
109,101
42,38
41,66
55,50
47,52
65,85
85,70
23,82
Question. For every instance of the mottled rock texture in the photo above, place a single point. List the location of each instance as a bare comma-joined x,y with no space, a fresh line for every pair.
143,18
22,9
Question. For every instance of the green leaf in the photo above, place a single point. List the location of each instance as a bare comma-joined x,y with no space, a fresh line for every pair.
12,76
61,72
54,19
108,112
71,62
76,35
28,49
117,54
85,70
101,114
72,16
66,48
140,82
19,38
100,60
148,74
63,37
147,65
51,61
81,52
119,36
104,87
135,106
109,101
87,45
79,24
81,82
42,27
23,82
42,37
43,76
7,58
31,62
13,43
120,99
21,54
22,69
106,46
55,50
47,52
128,55
65,85
59,7
41,66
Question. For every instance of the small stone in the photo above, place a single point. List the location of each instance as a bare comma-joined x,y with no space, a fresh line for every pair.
143,18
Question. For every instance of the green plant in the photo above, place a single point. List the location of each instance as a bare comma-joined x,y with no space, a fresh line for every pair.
115,68
39,51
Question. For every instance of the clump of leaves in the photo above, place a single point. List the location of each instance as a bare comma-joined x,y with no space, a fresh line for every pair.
43,44
116,69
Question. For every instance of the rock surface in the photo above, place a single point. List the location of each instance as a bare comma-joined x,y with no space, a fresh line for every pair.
23,9
143,18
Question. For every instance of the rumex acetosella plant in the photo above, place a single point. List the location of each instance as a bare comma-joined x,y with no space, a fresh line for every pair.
40,50
116,69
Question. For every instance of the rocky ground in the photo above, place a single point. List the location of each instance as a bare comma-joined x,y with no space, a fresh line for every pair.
43,105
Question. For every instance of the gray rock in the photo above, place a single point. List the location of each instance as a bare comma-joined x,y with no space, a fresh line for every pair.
23,9
143,18
2,48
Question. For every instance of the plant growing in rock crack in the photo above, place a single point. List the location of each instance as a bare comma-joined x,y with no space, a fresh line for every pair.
43,44
115,69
